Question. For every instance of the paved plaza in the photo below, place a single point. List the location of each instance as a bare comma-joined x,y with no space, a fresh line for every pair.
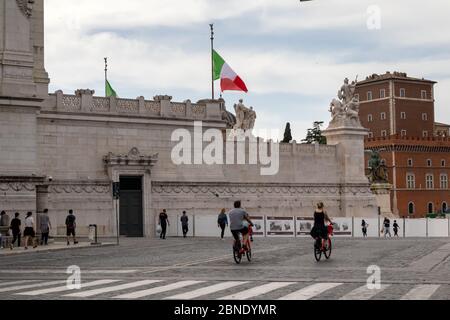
203,268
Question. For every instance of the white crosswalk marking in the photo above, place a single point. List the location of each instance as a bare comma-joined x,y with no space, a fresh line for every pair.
364,293
65,288
125,286
311,291
205,291
257,291
29,286
422,292
4,284
149,292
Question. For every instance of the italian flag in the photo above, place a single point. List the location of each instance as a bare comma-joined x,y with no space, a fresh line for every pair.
229,80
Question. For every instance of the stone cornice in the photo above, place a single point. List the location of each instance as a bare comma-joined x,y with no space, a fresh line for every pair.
133,158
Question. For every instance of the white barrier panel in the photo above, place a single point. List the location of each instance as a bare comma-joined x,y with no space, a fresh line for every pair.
342,227
372,229
206,226
304,226
280,227
438,227
190,225
416,228
259,230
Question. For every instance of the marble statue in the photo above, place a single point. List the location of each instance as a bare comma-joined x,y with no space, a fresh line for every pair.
245,117
345,109
26,6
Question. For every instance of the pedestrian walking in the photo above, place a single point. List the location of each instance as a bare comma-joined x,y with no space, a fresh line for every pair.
71,227
29,232
185,224
15,229
364,226
387,227
163,222
396,228
45,227
222,222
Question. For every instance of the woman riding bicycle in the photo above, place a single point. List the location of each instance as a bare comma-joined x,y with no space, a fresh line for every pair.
320,230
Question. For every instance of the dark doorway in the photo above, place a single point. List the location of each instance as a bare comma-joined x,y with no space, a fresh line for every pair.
131,215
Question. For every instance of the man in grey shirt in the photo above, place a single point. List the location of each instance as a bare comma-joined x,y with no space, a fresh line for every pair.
239,222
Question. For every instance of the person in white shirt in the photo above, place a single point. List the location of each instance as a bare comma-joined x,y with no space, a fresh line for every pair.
29,231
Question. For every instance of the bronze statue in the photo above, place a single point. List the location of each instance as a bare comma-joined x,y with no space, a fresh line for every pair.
378,169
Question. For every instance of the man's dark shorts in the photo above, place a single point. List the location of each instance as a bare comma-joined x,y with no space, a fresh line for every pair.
236,233
70,232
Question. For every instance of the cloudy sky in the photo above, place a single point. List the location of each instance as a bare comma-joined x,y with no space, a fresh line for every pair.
293,56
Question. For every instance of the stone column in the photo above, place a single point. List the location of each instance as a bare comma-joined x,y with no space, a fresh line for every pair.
41,204
382,192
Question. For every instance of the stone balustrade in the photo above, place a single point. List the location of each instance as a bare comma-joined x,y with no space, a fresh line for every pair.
84,102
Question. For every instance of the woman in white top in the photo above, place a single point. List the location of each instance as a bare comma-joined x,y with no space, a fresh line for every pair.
29,231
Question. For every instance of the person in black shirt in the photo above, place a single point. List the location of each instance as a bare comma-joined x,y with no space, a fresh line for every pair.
15,228
222,222
71,227
320,230
185,224
396,228
163,222
364,226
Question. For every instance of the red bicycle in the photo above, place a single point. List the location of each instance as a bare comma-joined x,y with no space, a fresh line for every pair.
246,250
326,248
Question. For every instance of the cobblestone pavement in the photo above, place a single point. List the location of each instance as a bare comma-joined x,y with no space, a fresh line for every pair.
204,269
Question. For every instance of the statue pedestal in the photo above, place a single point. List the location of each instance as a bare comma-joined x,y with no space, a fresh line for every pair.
356,198
382,192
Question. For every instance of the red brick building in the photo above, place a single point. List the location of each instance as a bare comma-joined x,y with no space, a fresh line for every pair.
399,112
394,103
419,170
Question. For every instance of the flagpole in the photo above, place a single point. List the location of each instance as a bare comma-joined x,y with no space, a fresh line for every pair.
106,74
212,59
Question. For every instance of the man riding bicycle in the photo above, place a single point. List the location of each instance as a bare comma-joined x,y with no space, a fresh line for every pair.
320,230
239,223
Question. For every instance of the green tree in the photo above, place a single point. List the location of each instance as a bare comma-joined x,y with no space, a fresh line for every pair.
287,134
314,134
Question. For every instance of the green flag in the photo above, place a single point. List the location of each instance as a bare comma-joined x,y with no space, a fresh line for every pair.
110,92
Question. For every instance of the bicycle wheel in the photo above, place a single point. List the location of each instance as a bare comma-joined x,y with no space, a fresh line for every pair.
317,253
328,249
249,255
237,256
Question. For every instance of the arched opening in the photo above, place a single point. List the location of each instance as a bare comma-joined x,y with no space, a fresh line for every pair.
411,208
430,207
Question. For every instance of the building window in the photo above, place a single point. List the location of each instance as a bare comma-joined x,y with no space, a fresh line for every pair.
369,95
425,134
383,116
403,115
444,207
430,207
370,118
444,181
382,93
411,208
430,181
429,163
410,162
424,94
384,133
425,116
403,133
443,163
410,181
402,93
371,135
